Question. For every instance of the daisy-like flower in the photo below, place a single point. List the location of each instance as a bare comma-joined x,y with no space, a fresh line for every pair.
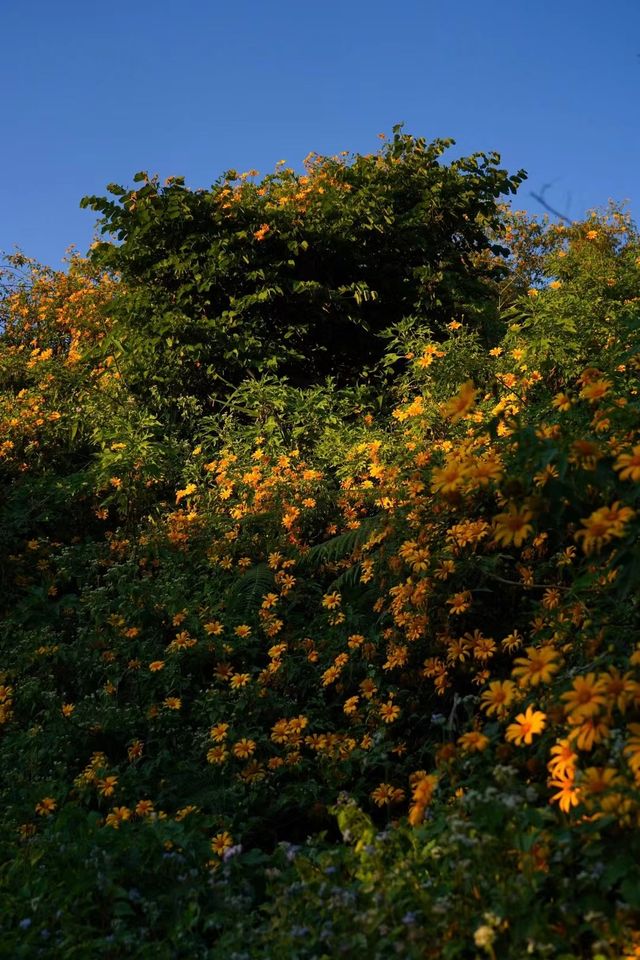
459,405
563,759
221,842
118,816
526,726
219,732
586,698
538,666
568,795
513,526
448,478
498,697
602,525
460,602
628,465
217,755
244,748
386,794
107,785
46,806
389,711
596,390
473,741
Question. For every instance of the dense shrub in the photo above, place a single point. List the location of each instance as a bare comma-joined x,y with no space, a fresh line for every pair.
329,666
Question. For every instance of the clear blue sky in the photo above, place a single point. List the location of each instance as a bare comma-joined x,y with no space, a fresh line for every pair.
93,92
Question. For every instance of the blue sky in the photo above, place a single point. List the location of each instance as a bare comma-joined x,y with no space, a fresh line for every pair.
93,92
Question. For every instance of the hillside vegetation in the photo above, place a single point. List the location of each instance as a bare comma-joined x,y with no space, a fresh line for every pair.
319,573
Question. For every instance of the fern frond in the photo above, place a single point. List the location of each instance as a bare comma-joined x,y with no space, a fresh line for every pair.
343,545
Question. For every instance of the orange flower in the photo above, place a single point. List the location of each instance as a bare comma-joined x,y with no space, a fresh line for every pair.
459,405
586,698
221,842
46,806
595,390
526,726
473,741
448,478
498,697
563,759
460,602
107,785
538,666
568,794
262,231
217,755
602,525
385,794
244,748
512,526
628,465
219,732
389,711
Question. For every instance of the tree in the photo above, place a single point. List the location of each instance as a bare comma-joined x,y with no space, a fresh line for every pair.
299,274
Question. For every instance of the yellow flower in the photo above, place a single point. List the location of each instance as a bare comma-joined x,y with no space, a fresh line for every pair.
221,842
386,794
595,390
561,402
460,602
331,600
217,755
602,525
107,785
588,732
67,709
628,465
239,680
538,666
219,732
526,726
473,741
188,490
459,405
173,703
389,711
498,697
586,698
46,806
568,794
563,759
156,665
117,816
144,808
513,526
262,231
244,748
448,478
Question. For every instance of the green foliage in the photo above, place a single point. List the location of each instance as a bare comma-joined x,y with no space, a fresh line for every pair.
299,274
282,512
